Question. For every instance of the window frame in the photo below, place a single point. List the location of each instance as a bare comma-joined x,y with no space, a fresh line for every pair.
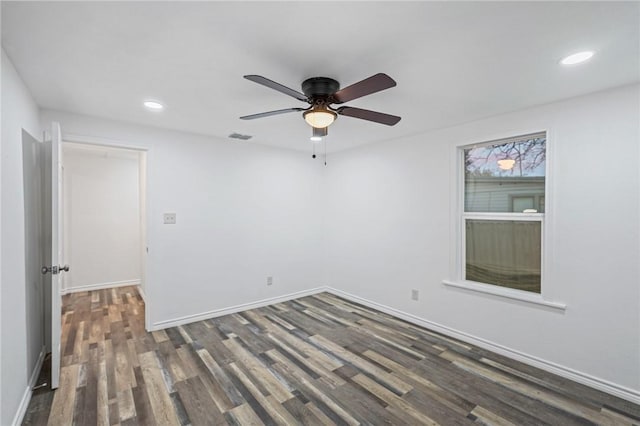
459,217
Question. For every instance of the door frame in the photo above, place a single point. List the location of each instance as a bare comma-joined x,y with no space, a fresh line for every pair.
144,188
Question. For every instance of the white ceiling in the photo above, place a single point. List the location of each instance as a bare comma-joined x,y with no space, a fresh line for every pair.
454,61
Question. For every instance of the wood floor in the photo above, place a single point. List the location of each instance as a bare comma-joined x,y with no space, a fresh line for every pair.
315,360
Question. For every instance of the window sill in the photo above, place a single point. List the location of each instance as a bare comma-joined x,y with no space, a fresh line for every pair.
521,296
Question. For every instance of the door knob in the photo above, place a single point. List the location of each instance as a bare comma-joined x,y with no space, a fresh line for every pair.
64,268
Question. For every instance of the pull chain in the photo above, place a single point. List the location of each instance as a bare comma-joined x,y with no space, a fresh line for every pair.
325,151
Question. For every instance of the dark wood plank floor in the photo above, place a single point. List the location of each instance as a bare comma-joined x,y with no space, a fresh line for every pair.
315,360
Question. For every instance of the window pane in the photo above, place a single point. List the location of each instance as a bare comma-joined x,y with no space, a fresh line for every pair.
499,173
520,204
504,252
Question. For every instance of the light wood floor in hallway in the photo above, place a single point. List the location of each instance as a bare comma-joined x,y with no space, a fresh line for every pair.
318,360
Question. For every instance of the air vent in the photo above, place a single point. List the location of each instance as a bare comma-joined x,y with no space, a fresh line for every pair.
240,136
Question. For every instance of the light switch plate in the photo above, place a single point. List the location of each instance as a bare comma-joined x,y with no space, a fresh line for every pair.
169,218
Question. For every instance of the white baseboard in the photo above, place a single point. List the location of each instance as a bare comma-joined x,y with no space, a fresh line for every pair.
26,396
566,372
99,286
233,309
142,293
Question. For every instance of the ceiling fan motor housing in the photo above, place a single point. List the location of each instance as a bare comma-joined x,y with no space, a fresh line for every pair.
322,87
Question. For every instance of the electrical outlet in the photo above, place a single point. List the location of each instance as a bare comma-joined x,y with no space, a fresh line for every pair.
414,294
169,218
269,280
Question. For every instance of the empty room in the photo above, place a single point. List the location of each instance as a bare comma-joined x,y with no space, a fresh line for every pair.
318,213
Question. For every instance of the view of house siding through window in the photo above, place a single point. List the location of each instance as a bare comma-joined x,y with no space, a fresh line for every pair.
504,202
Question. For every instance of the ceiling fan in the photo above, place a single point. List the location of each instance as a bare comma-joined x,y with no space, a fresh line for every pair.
321,93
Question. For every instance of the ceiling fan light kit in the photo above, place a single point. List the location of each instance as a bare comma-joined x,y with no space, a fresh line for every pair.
321,92
319,118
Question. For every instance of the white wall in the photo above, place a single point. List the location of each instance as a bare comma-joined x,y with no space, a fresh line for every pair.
389,231
244,212
102,217
19,111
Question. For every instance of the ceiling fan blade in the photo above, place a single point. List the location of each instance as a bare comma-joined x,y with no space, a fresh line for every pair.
270,113
276,86
365,114
370,85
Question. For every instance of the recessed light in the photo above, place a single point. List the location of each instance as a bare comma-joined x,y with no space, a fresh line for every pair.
315,138
154,105
577,58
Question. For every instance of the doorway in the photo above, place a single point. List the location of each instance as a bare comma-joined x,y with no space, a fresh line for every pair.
104,196
88,184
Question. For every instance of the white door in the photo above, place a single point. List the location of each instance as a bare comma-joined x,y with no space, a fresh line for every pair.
53,150
34,290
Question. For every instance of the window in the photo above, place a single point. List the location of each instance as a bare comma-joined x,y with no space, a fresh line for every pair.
503,215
